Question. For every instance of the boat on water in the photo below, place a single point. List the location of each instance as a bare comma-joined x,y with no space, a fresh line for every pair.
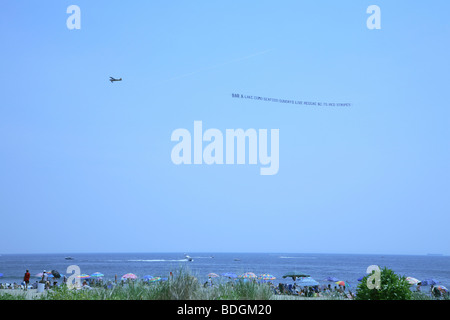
69,258
188,258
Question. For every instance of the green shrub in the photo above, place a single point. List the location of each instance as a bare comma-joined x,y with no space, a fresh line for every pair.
392,287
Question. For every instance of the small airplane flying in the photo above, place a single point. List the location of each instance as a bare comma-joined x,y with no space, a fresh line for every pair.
114,79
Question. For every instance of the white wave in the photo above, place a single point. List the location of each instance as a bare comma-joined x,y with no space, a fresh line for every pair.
113,260
154,260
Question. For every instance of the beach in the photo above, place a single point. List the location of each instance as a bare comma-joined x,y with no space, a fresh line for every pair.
182,285
348,268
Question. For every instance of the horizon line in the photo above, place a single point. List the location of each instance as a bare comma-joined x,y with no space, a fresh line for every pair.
226,252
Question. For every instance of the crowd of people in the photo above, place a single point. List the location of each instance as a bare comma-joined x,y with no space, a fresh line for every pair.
313,291
294,289
47,279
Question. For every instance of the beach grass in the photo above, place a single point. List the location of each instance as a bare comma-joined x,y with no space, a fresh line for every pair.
9,296
182,286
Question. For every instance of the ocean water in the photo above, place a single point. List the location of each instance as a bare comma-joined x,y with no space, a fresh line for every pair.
347,267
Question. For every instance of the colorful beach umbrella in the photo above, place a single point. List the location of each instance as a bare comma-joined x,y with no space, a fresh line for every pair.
83,276
343,283
213,275
129,276
154,279
97,275
442,288
248,275
412,281
266,277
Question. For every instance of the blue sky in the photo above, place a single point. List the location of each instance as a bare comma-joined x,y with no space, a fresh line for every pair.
85,165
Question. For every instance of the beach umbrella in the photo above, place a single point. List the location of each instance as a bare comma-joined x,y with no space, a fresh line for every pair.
83,276
1,274
154,279
213,275
442,288
56,274
229,275
146,277
343,283
295,274
266,277
248,275
129,276
332,279
428,282
97,275
361,278
412,281
307,281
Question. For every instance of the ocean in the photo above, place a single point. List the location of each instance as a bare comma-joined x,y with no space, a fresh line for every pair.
347,267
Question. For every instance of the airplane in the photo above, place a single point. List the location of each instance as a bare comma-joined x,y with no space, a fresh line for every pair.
113,79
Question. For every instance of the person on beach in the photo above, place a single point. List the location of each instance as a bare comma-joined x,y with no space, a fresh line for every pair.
44,277
26,279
